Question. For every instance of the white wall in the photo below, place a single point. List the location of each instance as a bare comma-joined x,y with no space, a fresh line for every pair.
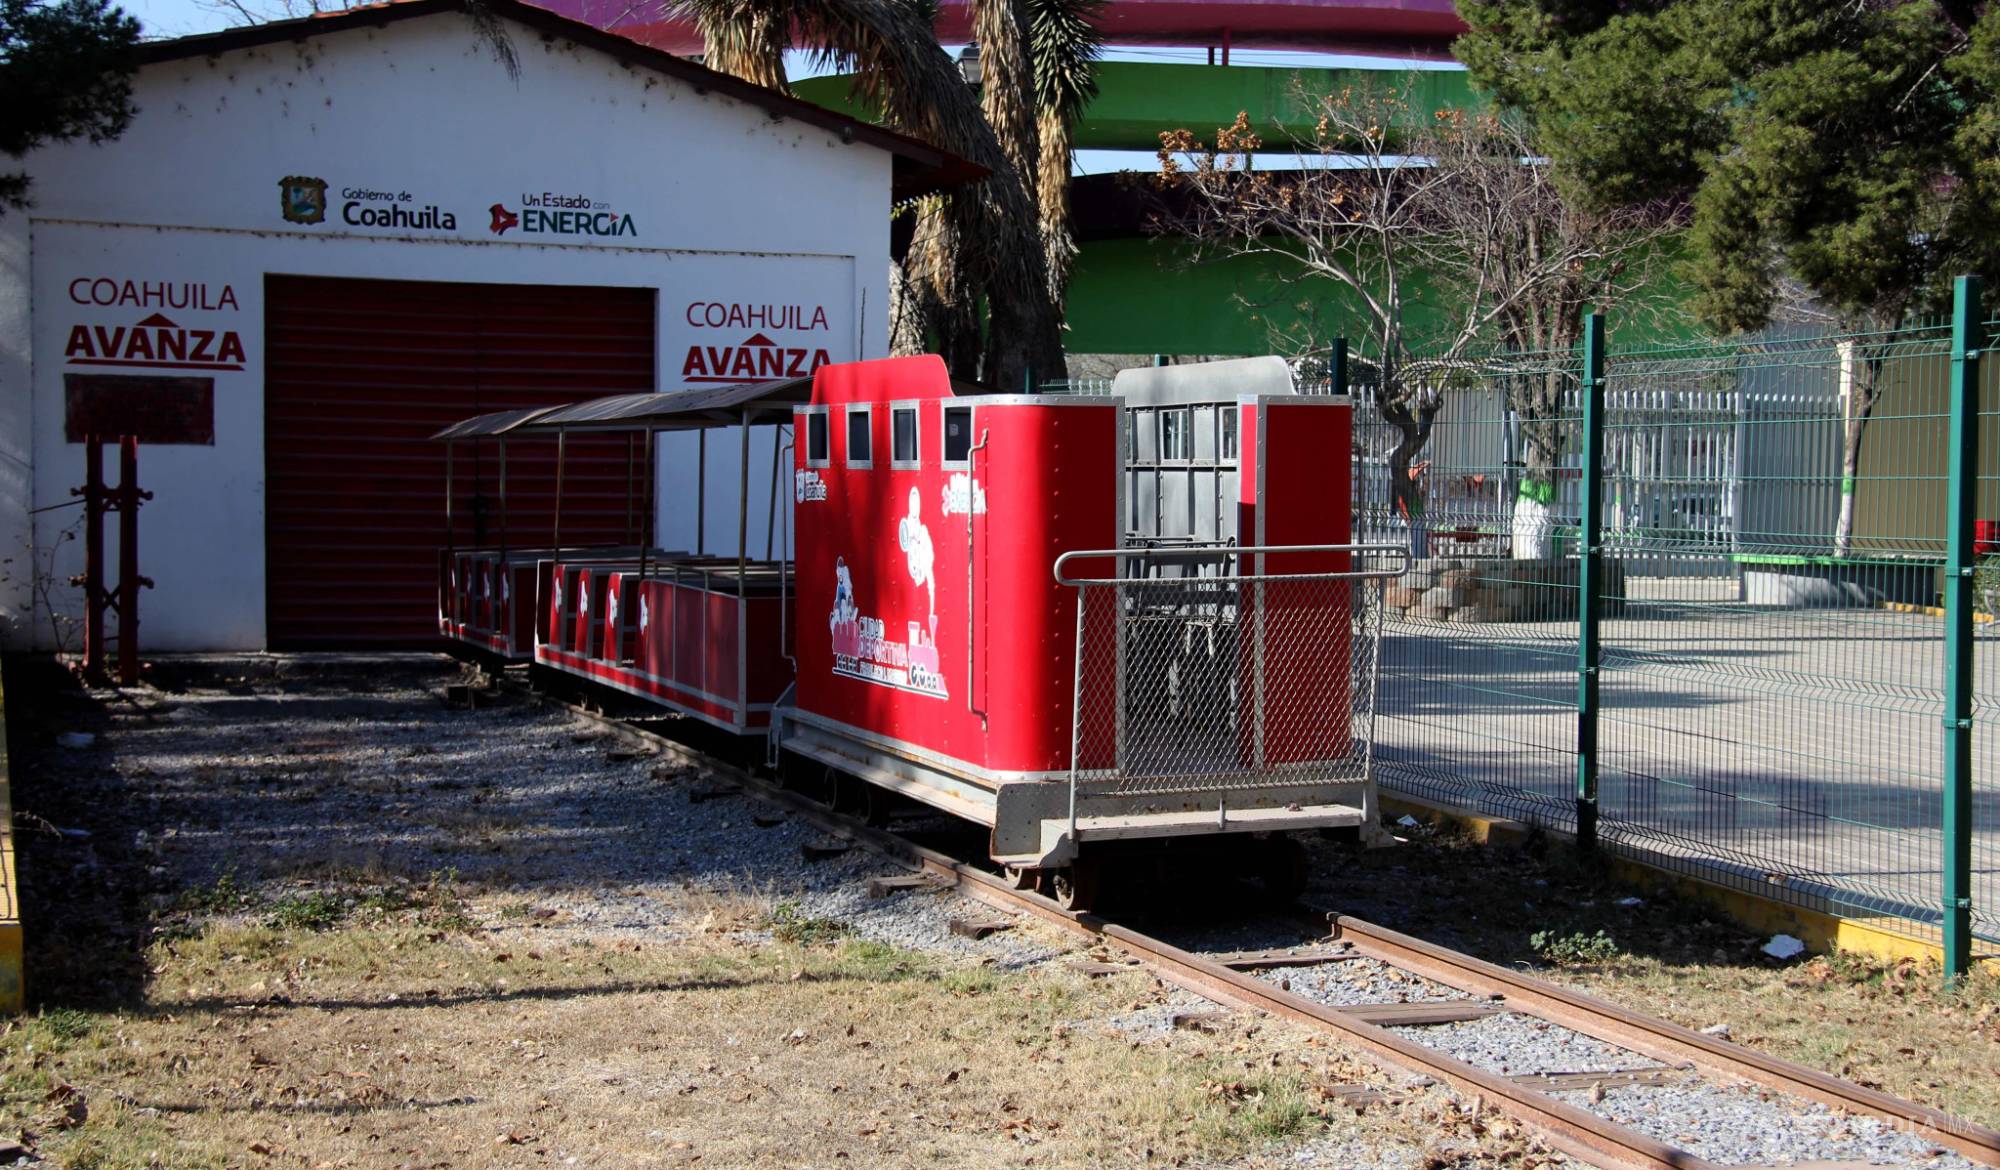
17,493
728,207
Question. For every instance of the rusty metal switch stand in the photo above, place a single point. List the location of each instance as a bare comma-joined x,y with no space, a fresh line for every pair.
99,499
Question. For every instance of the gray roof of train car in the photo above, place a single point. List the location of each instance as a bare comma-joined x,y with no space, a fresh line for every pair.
1221,381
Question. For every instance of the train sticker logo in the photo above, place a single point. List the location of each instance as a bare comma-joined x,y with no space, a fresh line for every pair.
861,645
964,496
808,487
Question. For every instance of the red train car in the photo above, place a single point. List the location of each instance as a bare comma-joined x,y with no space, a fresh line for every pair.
971,619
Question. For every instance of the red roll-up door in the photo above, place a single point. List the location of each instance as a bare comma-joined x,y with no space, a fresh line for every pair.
359,374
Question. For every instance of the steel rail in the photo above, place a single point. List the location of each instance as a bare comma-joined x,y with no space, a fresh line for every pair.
1660,1039
1567,1128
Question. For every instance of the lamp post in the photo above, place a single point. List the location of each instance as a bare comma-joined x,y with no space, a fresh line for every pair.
968,65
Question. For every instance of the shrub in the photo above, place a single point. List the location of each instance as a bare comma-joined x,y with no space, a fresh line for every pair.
1577,949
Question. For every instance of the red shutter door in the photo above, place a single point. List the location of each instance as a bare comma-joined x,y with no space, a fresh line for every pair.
359,374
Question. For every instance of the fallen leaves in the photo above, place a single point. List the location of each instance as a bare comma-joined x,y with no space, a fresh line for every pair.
71,1109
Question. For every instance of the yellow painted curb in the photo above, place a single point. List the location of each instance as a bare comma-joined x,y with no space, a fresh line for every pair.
1880,938
11,997
1929,610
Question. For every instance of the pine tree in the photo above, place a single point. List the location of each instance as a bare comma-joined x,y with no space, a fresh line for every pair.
1850,147
65,73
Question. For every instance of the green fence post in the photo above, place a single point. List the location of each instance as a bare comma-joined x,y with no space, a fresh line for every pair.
1968,337
1589,581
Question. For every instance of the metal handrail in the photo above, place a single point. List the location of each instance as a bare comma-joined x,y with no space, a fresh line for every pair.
1186,556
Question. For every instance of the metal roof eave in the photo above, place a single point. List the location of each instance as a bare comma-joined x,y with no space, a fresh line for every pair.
493,425
680,410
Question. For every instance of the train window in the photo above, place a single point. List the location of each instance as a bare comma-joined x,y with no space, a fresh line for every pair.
860,437
903,437
817,454
1174,437
957,435
1228,433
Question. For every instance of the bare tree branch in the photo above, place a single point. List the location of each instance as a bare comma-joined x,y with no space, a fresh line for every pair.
1393,203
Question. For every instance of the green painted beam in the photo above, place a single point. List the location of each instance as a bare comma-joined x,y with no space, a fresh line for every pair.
1138,100
1145,295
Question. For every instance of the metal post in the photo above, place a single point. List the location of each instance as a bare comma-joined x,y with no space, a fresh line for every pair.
450,545
743,507
1967,339
93,558
771,501
448,604
1337,366
503,501
94,502
562,458
1589,582
129,581
701,492
652,502
631,478
743,576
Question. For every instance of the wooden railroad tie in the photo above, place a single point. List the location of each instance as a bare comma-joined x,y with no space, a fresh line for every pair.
1359,1096
764,822
1558,1082
1096,970
813,852
977,928
710,792
466,696
882,887
1265,960
1411,1015
1816,1166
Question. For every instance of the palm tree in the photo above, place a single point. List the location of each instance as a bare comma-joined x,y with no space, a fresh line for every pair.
1064,42
989,248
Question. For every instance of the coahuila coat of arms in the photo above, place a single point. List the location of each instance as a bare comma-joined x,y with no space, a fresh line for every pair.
304,199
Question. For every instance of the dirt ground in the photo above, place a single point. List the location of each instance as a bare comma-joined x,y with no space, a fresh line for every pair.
295,922
318,952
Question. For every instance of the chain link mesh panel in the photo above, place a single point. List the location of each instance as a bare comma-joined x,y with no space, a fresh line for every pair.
1210,683
1773,642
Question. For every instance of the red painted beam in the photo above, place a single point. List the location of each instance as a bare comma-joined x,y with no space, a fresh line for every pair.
1417,28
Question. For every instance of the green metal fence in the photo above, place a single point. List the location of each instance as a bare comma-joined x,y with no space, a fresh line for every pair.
1788,685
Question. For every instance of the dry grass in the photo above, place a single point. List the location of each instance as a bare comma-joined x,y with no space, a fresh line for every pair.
390,1043
1885,1025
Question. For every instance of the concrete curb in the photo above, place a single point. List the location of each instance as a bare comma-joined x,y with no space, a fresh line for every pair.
1880,938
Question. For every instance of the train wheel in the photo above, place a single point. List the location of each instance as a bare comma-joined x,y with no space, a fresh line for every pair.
819,785
1021,877
1281,867
861,800
1075,886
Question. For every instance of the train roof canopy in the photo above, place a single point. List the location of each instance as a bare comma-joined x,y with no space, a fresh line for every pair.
675,410
484,426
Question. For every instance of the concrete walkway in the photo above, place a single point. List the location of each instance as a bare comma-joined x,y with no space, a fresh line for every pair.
1794,748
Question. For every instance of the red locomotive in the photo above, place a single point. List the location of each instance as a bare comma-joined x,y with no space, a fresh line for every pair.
1076,620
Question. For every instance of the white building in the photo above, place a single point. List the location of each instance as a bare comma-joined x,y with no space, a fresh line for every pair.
355,228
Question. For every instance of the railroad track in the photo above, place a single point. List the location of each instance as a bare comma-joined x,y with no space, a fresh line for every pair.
1232,980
